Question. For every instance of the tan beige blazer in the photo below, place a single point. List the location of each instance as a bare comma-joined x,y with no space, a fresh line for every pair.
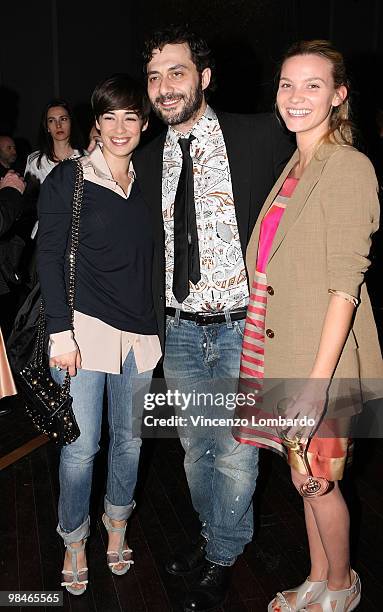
322,243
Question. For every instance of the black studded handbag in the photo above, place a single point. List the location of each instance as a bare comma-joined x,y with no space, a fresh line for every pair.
48,403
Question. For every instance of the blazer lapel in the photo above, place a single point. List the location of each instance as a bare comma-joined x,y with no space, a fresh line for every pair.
253,242
151,161
239,158
298,200
295,205
148,165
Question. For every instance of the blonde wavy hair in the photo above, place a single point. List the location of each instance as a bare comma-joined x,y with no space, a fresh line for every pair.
340,128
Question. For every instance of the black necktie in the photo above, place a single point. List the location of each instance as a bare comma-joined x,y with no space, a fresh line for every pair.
186,252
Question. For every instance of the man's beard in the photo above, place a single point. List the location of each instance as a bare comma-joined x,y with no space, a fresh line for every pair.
193,103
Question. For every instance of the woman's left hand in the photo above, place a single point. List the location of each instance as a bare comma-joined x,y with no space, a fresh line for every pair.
306,408
67,361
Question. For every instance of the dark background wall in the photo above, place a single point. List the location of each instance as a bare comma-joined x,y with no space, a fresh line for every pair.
50,48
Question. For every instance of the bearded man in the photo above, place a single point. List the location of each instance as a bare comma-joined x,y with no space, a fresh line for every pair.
206,178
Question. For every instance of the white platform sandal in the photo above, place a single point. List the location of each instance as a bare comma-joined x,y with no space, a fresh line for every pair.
339,598
306,593
76,576
120,556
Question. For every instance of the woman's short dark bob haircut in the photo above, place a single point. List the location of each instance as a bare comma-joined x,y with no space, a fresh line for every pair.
120,91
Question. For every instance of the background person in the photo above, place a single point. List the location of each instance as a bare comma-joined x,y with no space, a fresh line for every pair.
94,138
309,315
11,190
7,385
114,341
12,187
8,154
59,138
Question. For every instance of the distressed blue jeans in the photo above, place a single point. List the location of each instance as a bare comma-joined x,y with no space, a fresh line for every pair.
221,472
76,459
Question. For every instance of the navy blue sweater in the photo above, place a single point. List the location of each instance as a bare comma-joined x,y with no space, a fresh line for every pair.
114,259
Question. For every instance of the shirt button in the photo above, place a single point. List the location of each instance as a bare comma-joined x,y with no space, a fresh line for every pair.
269,333
270,290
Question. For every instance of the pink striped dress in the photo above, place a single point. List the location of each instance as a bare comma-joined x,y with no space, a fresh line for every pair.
252,357
326,455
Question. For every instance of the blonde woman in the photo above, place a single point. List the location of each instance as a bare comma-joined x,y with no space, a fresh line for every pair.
309,316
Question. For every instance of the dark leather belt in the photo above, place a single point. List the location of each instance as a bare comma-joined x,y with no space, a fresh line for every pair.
208,318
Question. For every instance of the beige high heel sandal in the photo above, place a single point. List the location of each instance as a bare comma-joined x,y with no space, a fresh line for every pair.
339,598
307,592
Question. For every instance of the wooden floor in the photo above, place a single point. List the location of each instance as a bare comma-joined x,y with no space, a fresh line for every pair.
31,553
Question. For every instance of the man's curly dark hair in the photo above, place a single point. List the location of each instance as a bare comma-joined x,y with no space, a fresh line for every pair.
178,34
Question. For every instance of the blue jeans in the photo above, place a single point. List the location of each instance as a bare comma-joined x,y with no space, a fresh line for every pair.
221,472
76,459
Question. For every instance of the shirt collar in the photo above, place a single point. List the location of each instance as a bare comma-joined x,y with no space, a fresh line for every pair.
100,167
201,129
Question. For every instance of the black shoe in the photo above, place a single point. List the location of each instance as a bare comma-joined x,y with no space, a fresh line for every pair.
4,411
185,563
210,590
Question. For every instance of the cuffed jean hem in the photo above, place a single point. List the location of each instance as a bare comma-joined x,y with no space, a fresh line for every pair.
220,562
78,534
118,513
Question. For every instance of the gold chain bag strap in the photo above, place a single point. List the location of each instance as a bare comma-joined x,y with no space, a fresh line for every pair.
48,403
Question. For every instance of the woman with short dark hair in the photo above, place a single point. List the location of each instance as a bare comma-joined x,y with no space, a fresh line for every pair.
114,339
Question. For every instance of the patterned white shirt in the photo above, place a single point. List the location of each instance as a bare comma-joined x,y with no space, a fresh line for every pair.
223,283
